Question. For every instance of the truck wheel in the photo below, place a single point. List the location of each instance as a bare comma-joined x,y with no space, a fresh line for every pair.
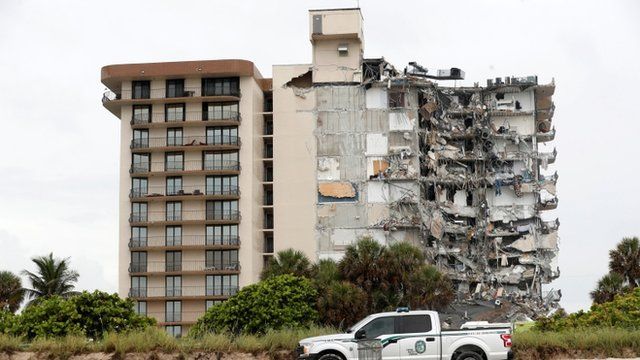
469,355
331,356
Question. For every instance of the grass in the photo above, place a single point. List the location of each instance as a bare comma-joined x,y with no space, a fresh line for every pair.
577,342
156,340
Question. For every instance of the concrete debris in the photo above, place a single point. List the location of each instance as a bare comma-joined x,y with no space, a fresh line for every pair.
456,169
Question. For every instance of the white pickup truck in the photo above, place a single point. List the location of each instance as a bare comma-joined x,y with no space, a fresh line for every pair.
413,335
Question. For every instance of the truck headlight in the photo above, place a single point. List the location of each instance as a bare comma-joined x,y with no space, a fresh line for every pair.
306,348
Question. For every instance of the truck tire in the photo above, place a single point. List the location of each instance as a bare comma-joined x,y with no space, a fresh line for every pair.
469,355
330,356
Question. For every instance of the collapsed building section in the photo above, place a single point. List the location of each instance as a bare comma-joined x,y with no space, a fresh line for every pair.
462,172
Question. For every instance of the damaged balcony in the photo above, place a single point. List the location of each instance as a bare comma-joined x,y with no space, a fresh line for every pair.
185,143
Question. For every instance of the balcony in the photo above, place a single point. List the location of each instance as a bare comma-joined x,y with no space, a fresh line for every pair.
186,167
164,193
185,217
186,292
161,93
178,318
189,118
185,241
186,143
184,267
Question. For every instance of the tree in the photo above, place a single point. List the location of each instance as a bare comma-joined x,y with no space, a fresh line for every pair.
428,288
11,292
342,304
401,261
608,287
53,277
325,272
292,262
283,301
624,259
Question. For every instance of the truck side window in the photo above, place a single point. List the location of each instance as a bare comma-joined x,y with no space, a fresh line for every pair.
414,324
380,326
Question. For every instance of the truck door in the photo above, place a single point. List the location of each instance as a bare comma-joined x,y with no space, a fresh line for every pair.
418,339
384,328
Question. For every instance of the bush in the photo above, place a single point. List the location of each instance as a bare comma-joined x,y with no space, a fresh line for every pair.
283,301
342,304
623,313
6,321
87,314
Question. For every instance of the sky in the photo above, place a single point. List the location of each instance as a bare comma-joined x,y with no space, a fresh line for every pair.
59,146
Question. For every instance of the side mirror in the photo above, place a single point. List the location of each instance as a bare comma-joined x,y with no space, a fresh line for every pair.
360,334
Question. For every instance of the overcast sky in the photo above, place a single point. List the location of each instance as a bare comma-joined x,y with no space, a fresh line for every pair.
59,146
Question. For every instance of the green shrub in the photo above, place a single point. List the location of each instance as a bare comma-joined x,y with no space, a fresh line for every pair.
101,312
6,321
283,301
87,314
342,304
51,317
623,312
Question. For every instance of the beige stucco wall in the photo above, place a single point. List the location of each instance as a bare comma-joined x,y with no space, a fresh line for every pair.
294,149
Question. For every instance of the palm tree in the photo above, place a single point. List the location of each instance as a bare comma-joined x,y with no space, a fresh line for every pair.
624,259
362,265
608,287
428,288
11,292
288,261
325,272
401,260
53,277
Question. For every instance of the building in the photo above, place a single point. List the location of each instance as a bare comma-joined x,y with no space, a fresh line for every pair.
221,168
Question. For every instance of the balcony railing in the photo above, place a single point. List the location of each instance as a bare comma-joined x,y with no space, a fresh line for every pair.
185,215
152,292
190,165
156,191
185,240
188,116
183,316
186,141
194,265
161,93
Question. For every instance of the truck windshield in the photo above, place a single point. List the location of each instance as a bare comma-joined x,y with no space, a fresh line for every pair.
359,324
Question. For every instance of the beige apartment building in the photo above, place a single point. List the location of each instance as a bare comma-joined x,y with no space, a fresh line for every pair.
221,168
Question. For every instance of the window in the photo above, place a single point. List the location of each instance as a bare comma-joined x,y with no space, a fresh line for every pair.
220,111
138,286
268,244
140,139
138,236
222,285
415,324
139,187
138,261
174,161
174,137
174,112
222,210
209,303
222,235
380,326
140,307
141,163
221,185
220,86
220,161
174,330
175,88
141,89
173,235
396,98
222,260
222,135
173,260
174,185
173,286
141,114
174,211
138,212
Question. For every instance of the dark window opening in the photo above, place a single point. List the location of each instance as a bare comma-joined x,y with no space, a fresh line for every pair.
499,96
221,86
141,90
469,198
396,99
175,88
431,192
